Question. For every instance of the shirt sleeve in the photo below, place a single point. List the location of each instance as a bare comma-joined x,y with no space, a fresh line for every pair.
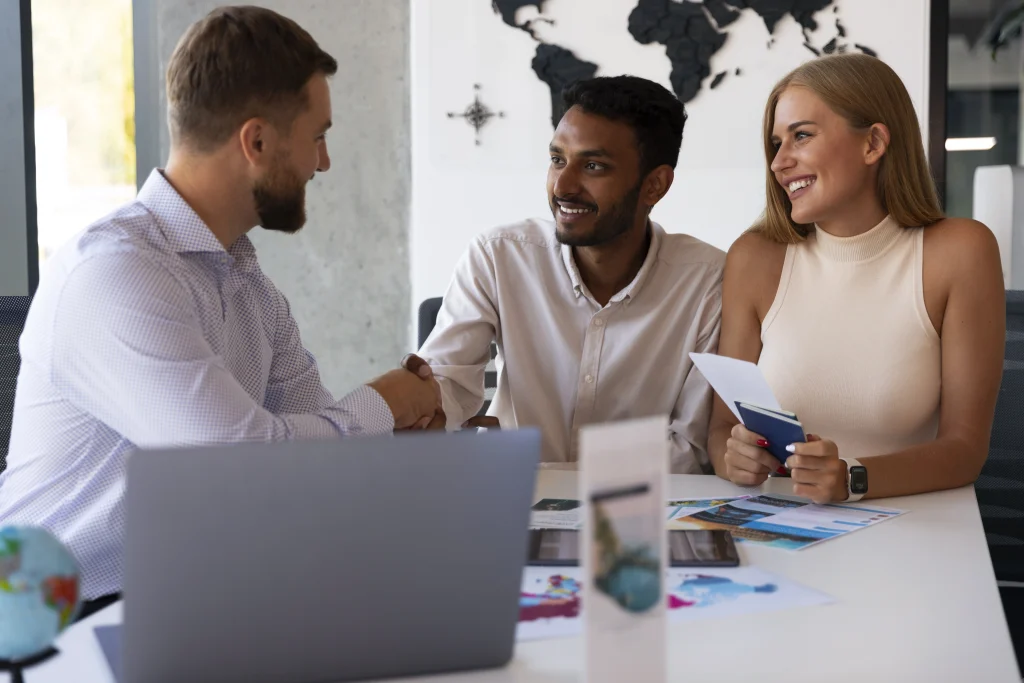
689,425
128,348
294,384
459,347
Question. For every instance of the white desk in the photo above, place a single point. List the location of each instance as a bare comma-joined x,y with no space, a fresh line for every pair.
916,601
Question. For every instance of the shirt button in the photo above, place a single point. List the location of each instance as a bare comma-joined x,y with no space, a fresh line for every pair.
589,379
598,322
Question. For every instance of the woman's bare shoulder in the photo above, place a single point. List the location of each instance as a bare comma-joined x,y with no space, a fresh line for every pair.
754,257
753,268
961,244
959,229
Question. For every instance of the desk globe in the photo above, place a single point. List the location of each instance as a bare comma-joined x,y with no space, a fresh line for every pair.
39,595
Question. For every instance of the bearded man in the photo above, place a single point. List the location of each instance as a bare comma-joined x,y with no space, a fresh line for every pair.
155,326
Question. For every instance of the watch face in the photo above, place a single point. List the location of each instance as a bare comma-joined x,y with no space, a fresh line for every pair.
859,479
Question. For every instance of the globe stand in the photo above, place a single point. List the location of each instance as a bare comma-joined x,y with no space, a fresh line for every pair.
17,667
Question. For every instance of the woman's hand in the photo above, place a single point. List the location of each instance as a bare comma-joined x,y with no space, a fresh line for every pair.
817,471
747,463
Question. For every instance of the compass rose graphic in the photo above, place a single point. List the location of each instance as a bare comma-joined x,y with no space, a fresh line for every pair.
477,114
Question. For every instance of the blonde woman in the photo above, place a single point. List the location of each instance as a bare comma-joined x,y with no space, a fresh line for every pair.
875,319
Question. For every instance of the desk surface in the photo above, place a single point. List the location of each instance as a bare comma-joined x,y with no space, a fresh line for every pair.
916,601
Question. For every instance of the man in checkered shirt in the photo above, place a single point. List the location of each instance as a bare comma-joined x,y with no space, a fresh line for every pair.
155,327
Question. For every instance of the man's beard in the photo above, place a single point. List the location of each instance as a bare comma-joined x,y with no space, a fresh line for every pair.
617,222
280,200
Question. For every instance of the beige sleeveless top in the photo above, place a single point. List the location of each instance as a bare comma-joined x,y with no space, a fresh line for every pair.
848,345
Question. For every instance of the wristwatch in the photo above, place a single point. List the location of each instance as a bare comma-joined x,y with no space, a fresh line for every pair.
856,479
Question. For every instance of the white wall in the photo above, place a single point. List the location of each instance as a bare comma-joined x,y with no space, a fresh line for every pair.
346,273
460,190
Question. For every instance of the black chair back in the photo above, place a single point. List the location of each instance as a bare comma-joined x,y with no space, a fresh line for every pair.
428,311
1000,488
13,311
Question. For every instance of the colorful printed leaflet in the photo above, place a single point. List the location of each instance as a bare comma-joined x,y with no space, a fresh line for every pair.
550,604
565,513
685,507
555,513
784,522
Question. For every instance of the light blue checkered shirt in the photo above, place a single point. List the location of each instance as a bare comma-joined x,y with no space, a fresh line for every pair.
146,332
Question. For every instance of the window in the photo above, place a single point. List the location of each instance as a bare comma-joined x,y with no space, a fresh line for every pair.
983,113
84,114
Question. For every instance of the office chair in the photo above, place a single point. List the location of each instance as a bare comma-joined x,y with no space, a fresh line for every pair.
1000,488
428,311
13,310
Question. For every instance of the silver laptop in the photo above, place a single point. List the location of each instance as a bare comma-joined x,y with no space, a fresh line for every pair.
324,561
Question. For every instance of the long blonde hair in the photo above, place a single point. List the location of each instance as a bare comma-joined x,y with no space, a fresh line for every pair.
863,90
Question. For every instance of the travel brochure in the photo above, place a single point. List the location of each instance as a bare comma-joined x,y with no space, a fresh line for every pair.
555,513
550,604
551,598
623,467
565,513
678,509
783,521
773,520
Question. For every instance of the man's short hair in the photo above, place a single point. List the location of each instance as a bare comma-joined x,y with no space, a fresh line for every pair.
656,115
235,64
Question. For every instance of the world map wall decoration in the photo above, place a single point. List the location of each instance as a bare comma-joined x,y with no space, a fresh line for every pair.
692,33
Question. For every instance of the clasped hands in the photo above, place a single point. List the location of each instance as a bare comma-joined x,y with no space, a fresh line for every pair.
815,467
414,397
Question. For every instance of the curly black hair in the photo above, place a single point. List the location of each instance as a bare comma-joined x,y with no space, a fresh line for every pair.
656,115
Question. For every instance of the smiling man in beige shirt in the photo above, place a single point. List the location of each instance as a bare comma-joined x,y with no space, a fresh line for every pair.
594,314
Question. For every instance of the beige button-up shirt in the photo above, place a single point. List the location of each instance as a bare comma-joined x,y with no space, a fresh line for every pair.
564,361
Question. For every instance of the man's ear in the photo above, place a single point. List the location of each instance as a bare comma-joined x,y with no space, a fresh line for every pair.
257,137
657,184
877,143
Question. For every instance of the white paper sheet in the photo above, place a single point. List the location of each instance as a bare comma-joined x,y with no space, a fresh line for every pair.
735,380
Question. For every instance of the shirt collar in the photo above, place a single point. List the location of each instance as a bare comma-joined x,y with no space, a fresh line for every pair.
631,290
184,230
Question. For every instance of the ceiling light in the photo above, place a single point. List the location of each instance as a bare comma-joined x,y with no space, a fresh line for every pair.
969,144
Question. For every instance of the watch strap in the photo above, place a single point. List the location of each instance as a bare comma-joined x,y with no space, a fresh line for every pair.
851,496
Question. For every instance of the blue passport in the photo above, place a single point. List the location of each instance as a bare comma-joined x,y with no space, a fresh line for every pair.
779,428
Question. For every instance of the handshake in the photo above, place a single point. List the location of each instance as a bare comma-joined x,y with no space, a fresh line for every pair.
414,397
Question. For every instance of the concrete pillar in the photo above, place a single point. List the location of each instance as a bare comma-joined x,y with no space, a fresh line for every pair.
346,273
